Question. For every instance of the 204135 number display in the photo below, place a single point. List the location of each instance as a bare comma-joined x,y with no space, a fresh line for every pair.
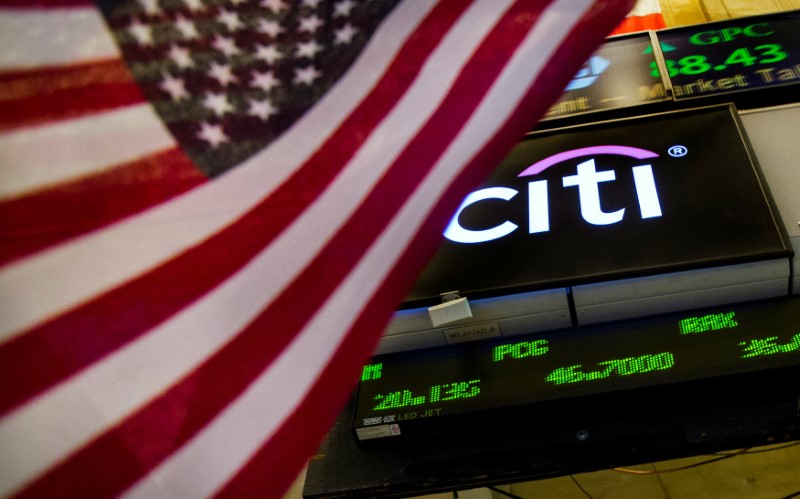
436,393
768,53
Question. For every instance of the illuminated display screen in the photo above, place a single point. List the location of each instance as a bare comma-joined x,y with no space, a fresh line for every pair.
402,388
663,193
616,76
736,55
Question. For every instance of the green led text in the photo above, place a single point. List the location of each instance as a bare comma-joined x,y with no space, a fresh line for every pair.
768,53
371,371
713,322
519,350
768,346
438,393
620,367
723,35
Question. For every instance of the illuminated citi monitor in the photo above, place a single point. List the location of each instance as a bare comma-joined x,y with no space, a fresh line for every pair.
600,223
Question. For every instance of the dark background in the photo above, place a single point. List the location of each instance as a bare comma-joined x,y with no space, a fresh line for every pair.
619,85
714,211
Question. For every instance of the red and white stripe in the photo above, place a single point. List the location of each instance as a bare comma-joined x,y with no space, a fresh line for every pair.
85,146
201,344
646,15
57,36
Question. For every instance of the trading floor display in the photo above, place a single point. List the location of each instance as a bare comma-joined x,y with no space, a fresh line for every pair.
622,289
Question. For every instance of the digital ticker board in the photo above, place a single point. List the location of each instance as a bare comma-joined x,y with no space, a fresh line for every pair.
406,394
617,75
627,198
724,58
737,55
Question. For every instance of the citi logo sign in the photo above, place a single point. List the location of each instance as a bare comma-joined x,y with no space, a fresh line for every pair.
587,181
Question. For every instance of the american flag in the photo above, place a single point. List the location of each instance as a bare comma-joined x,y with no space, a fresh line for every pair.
209,210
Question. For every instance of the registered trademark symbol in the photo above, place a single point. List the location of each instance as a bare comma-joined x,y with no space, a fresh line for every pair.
677,151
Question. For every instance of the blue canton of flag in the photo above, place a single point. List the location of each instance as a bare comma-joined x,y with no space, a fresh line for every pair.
227,78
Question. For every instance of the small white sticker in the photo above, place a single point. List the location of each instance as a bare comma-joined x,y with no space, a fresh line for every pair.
378,431
451,311
472,332
379,420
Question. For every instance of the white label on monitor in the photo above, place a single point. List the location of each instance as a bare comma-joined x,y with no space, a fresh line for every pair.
472,332
382,431
451,311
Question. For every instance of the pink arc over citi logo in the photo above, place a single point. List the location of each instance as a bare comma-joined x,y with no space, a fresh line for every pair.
587,180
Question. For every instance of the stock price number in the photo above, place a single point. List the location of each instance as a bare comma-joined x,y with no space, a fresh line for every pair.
436,393
767,53
620,367
753,34
762,347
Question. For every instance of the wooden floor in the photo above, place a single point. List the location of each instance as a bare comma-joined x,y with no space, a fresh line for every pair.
683,12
